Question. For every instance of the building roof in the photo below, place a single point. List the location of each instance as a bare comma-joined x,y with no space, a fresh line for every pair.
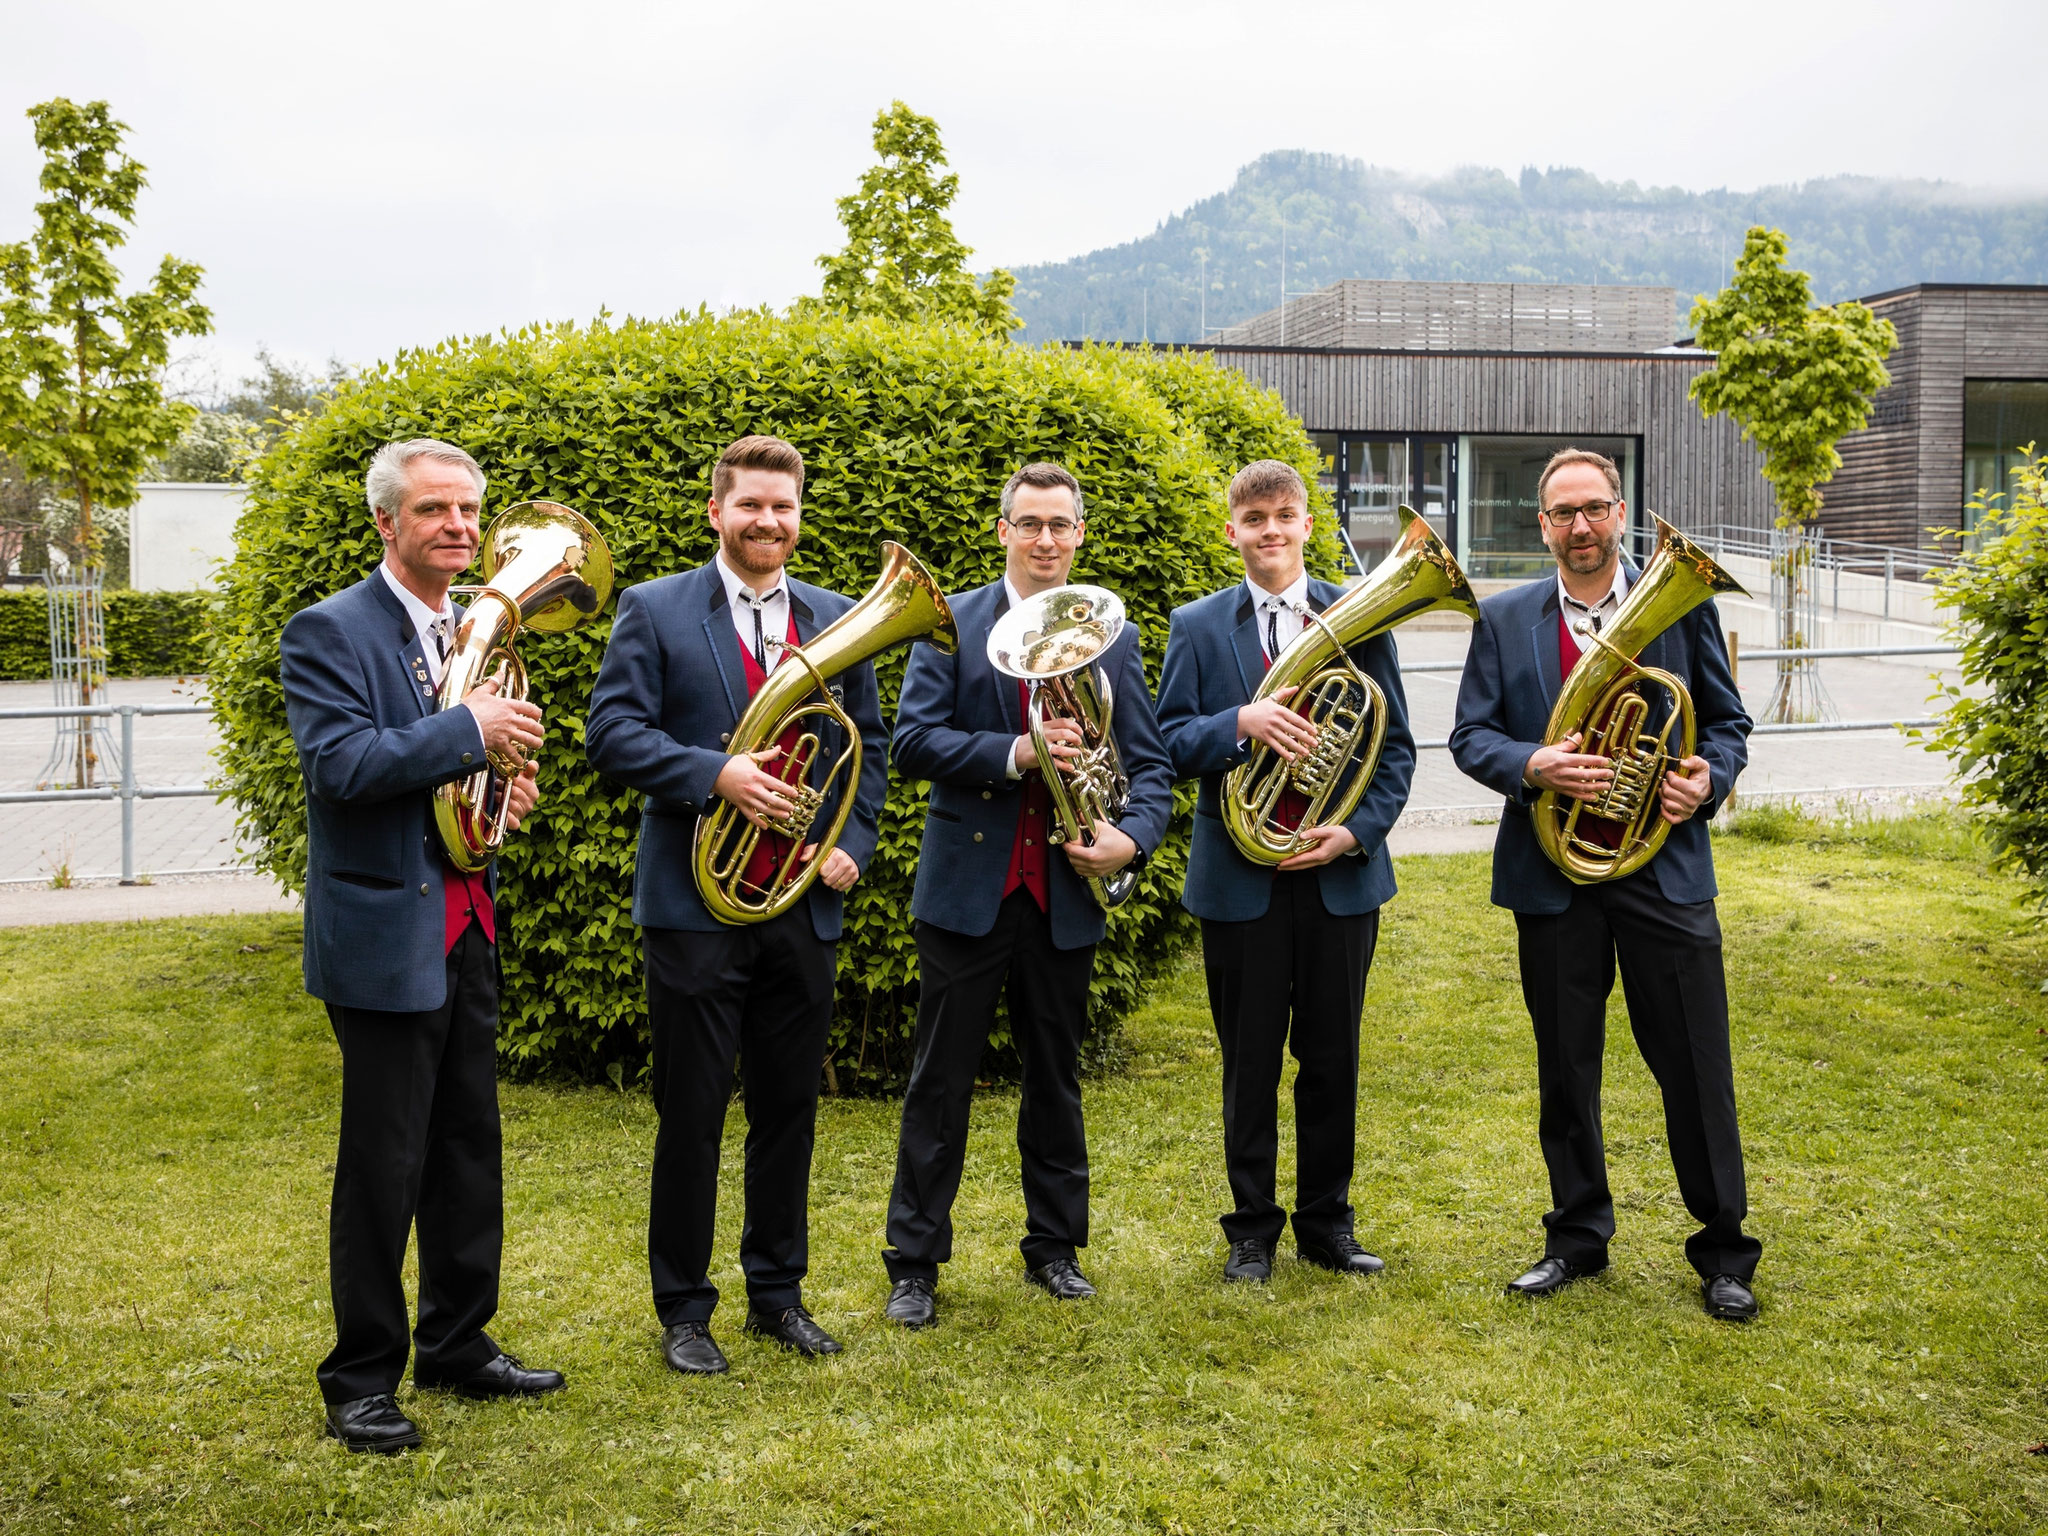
1370,314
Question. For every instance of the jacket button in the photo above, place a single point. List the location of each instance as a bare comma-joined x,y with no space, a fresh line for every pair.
977,837
423,888
465,757
725,739
988,794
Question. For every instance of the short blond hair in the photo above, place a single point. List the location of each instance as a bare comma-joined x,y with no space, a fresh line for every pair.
1565,457
1265,477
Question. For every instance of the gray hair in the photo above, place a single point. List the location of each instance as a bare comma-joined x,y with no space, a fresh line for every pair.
1046,477
384,485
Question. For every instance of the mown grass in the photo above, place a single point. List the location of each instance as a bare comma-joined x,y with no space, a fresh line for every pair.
167,1118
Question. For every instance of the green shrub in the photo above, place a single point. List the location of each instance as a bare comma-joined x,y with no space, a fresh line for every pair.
149,634
908,433
1999,739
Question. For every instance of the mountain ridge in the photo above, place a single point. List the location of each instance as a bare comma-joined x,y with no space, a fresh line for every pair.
1218,261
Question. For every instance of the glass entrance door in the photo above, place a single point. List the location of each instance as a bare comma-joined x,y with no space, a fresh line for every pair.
1436,485
1376,482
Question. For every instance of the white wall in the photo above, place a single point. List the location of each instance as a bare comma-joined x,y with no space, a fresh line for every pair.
176,534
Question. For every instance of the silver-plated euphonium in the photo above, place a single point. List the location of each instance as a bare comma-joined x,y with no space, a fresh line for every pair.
1053,641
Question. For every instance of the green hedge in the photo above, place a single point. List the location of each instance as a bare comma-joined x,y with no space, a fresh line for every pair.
908,433
149,634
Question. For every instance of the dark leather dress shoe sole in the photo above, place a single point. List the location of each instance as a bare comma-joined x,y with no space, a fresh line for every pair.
1728,1299
689,1348
1062,1279
1549,1275
503,1377
371,1424
793,1328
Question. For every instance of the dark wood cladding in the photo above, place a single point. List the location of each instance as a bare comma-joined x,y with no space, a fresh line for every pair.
1697,471
1903,474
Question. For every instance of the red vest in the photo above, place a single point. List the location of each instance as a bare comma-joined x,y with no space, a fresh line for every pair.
1292,804
465,896
1034,820
770,850
1567,646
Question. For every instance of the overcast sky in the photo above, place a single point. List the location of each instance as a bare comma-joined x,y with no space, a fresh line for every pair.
365,176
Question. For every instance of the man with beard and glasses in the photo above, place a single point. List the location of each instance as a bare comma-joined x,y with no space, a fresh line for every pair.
1657,923
687,652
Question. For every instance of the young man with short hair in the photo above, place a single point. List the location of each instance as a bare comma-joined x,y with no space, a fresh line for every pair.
687,652
1286,948
999,914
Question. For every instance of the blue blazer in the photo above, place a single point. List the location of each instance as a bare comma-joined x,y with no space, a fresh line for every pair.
1513,674
360,700
670,691
1214,664
954,726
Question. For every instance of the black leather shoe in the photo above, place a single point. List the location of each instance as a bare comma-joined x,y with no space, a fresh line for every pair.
1251,1259
689,1348
1063,1278
793,1328
502,1377
372,1424
1550,1274
1342,1255
1728,1298
912,1304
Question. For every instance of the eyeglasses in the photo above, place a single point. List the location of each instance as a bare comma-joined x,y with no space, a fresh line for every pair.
1060,528
1595,513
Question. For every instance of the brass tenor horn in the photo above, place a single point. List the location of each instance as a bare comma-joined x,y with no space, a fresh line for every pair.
903,605
1345,706
1052,642
1604,703
545,569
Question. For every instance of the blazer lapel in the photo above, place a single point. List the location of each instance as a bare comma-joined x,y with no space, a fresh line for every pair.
1005,685
410,649
1543,646
1244,644
724,641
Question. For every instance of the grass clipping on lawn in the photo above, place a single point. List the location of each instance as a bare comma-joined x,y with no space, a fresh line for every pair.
167,1122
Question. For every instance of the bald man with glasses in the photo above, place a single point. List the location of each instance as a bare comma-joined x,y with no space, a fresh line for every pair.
1657,925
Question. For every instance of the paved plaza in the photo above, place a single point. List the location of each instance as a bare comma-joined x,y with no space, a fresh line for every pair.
1447,811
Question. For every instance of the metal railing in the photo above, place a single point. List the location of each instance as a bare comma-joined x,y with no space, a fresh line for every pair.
1831,556
127,791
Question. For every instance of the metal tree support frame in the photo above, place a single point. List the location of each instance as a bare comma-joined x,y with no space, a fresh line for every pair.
1800,696
78,681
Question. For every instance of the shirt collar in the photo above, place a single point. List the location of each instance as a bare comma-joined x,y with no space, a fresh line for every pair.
1010,591
1613,597
421,615
1293,597
734,586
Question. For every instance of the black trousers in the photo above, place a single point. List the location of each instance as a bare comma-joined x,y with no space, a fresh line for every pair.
1671,976
1047,988
419,1146
761,995
1293,979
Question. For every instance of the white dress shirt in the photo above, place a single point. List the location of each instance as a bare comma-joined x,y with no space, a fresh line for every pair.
1010,768
1283,609
425,622
773,608
1579,614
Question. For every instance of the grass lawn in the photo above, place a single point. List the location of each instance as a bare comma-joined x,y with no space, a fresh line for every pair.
167,1117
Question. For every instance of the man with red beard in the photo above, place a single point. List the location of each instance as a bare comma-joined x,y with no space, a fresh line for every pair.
1658,924
687,652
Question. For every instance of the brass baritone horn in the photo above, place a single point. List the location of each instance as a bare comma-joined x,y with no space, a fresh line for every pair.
1604,704
545,569
1346,707
903,605
1053,642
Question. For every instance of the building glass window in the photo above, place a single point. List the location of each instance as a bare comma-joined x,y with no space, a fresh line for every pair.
1500,532
1376,483
2000,417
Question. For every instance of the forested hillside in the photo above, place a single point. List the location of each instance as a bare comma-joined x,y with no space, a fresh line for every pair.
1343,218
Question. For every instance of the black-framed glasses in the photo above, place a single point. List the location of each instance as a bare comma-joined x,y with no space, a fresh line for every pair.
1060,528
1594,512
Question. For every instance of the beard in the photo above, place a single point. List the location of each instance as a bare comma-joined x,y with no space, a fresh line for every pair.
744,554
1587,558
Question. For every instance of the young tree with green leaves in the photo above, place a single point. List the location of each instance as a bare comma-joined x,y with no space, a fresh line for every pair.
81,389
902,260
1797,378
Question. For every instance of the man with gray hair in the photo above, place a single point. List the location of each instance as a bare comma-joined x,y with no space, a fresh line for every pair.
402,948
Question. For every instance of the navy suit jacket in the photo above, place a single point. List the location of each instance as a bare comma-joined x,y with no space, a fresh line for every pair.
1513,674
1214,664
360,700
954,726
670,691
